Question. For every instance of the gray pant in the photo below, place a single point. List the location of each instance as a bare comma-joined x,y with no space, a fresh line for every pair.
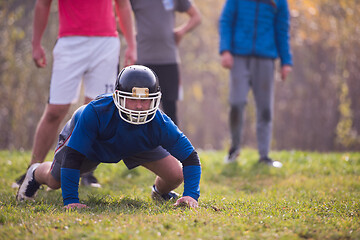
257,74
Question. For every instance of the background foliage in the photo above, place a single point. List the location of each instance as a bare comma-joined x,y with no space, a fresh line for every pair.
316,109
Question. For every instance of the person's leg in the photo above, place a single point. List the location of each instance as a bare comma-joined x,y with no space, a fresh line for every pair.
43,175
45,135
36,175
239,88
169,107
47,131
89,179
168,172
48,173
236,122
169,77
263,88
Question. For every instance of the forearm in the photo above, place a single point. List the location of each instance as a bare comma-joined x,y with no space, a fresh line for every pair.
192,175
123,10
41,15
194,21
70,185
70,175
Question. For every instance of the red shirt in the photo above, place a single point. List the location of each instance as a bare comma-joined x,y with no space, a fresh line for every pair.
86,18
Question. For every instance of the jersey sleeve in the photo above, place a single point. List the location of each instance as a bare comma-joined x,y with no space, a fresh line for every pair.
85,131
192,175
70,175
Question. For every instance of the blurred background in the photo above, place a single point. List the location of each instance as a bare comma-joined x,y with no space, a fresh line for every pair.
316,109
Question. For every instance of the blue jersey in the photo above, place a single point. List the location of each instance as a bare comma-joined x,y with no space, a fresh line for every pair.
101,135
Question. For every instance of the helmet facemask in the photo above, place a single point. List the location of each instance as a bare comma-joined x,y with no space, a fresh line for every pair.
135,116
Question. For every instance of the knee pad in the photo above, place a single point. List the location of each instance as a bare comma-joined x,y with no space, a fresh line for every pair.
266,115
236,111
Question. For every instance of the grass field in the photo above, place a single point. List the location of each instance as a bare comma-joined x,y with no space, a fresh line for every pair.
314,196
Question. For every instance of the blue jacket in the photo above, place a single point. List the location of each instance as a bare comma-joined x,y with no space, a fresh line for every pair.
256,28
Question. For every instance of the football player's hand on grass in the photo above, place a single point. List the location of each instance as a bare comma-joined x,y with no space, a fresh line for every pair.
186,201
75,205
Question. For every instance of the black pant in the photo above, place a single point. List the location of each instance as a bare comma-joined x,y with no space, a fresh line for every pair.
169,76
169,108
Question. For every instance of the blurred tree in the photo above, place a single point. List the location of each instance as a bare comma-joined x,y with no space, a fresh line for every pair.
22,84
318,108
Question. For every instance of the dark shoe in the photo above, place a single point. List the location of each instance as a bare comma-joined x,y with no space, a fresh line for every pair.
90,180
29,186
233,154
164,197
18,181
268,161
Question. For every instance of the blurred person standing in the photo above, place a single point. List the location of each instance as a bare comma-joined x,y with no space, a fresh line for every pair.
252,35
158,40
87,50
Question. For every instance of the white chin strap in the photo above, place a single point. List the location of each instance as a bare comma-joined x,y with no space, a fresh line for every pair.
133,116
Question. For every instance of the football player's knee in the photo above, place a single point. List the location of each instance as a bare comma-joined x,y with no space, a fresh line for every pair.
53,183
177,179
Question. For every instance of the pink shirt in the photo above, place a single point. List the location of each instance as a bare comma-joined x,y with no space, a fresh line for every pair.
86,18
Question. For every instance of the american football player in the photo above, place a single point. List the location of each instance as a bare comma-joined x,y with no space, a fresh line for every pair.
127,126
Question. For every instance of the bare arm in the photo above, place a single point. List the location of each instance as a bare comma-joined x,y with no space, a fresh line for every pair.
123,9
194,21
41,15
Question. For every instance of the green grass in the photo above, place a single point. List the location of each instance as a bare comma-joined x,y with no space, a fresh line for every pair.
314,196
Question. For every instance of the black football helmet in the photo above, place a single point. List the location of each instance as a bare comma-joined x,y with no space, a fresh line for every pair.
137,82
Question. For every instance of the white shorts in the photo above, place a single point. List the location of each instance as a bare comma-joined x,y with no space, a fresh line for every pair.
95,60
